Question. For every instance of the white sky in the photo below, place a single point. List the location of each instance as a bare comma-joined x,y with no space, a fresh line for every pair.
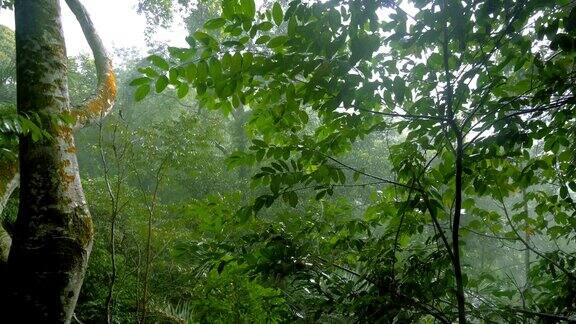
117,23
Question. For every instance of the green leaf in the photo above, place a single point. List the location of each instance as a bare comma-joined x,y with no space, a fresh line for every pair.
562,41
173,75
159,62
291,198
570,21
572,185
149,72
202,71
248,8
263,39
190,72
244,214
399,89
236,63
203,37
161,83
228,8
141,92
435,60
247,61
277,13
215,68
292,25
247,24
214,23
364,46
182,90
563,192
265,26
191,41
303,117
140,81
275,184
277,41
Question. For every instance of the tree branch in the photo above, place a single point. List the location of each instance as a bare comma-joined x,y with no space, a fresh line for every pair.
100,105
552,317
399,115
351,168
527,245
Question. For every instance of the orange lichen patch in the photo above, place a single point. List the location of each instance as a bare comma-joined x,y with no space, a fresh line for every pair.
82,228
65,177
71,149
65,133
102,103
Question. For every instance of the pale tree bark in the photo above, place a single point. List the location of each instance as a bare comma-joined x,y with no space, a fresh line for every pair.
53,234
9,180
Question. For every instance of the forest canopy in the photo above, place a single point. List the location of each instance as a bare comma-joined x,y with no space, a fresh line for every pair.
350,161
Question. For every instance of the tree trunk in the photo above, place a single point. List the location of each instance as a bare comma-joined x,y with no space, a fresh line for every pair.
239,138
53,233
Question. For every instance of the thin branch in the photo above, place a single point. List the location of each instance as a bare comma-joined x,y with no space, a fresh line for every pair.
450,112
368,174
221,148
488,235
428,308
397,236
539,108
527,245
176,100
405,116
101,104
504,32
553,317
151,209
434,217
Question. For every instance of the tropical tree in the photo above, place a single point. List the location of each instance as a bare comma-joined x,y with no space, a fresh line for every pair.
469,87
53,234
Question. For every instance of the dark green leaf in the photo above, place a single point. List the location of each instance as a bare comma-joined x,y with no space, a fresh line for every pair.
277,41
214,23
248,8
159,62
140,81
263,39
141,92
277,13
161,83
182,90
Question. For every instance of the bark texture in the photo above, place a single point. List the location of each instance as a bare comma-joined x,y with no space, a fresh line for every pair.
9,181
102,103
53,233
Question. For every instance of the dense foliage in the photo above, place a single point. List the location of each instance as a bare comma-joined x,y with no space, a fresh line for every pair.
336,161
